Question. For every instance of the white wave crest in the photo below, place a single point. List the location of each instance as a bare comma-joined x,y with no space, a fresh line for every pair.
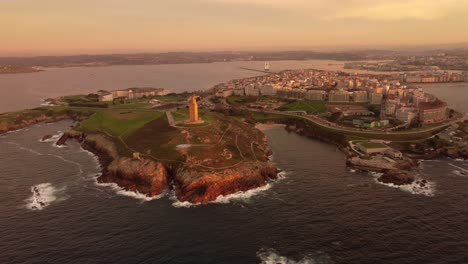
270,256
224,199
283,174
43,195
14,131
136,195
53,138
418,187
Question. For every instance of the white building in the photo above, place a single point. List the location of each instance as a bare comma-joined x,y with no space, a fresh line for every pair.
239,91
375,98
252,91
406,114
360,97
315,95
268,90
339,97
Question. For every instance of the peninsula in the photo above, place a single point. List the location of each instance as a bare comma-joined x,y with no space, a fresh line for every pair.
205,145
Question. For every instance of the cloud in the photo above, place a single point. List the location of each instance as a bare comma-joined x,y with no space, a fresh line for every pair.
386,10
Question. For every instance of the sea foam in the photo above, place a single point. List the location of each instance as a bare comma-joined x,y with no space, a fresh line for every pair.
270,256
43,195
427,188
135,195
224,199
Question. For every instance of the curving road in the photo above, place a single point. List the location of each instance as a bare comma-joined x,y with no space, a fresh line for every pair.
329,125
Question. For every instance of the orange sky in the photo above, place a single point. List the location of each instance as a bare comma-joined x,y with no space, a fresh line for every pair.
93,26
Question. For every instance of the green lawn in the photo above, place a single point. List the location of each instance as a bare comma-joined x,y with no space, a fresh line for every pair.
131,106
235,99
119,123
171,97
310,107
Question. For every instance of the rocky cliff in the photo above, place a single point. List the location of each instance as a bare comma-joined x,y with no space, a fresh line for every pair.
153,178
138,175
19,120
201,187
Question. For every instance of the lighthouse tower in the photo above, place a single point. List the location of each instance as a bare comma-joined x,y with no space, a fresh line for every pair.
193,109
267,66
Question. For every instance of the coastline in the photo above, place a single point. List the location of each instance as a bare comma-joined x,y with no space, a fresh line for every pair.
152,178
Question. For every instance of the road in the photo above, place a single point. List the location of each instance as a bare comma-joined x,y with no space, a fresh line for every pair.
329,125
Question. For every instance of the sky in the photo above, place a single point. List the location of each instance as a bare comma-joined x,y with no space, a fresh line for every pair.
45,27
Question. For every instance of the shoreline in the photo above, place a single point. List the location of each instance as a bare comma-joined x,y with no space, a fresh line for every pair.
114,171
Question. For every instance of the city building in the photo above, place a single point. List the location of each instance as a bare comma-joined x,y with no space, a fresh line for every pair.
406,114
239,91
105,96
376,98
251,90
372,147
360,97
268,90
315,95
224,93
339,97
433,112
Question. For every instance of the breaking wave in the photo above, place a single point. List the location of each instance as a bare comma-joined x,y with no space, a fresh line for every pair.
271,256
224,199
135,195
43,195
418,187
53,138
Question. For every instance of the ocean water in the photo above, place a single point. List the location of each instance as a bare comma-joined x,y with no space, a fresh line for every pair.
317,212
53,211
27,90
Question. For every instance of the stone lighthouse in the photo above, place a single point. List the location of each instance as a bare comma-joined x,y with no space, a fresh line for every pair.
193,109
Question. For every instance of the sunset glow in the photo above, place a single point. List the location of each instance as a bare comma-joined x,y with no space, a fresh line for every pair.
54,26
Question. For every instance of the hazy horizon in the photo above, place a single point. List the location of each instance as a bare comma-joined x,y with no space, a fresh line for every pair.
53,27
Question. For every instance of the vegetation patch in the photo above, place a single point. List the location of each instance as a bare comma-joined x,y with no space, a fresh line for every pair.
311,107
118,123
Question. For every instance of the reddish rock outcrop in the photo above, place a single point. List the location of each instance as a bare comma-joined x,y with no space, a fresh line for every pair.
202,187
138,175
143,176
153,178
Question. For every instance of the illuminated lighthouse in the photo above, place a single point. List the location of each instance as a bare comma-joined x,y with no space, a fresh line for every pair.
193,109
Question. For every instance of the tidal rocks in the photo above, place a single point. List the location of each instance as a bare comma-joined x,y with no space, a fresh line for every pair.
62,140
396,177
46,137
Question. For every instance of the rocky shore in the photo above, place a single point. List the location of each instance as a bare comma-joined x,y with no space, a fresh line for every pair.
153,178
397,173
19,120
